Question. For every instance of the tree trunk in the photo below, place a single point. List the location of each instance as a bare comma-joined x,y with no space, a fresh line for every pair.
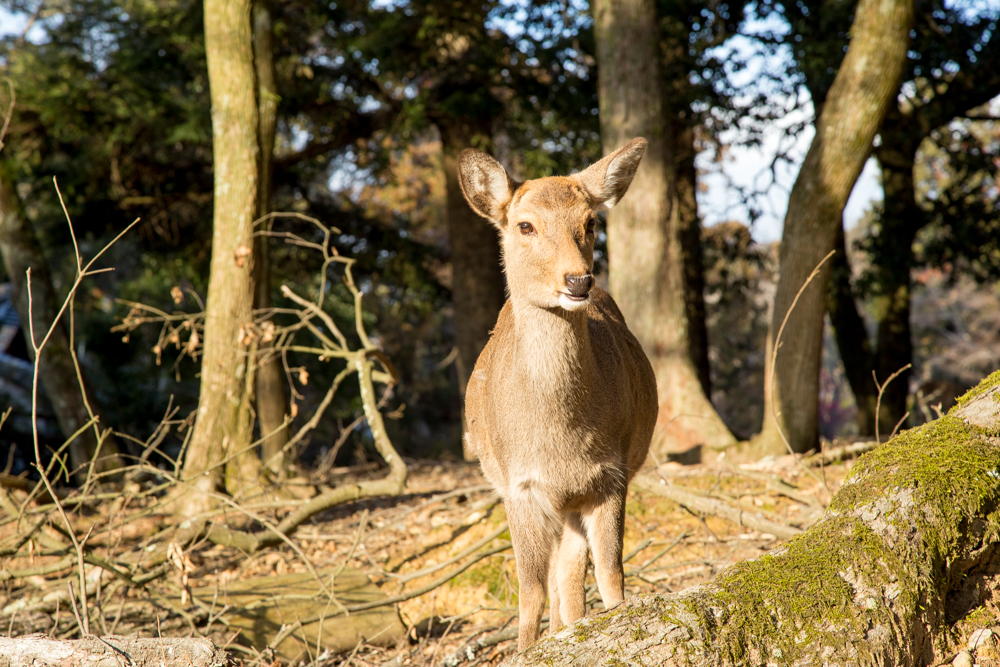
908,546
20,250
852,337
892,260
902,218
857,102
222,428
646,230
689,234
270,385
477,284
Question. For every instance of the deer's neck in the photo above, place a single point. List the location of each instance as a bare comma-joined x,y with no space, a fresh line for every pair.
552,350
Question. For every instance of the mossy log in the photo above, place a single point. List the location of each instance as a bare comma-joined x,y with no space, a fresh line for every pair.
908,546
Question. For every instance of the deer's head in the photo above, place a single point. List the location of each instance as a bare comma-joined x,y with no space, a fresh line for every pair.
548,224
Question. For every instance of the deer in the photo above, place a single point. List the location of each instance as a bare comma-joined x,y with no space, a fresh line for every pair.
561,404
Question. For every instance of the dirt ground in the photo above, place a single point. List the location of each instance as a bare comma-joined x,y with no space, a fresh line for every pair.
448,519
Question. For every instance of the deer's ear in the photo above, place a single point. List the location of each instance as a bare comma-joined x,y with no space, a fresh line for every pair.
485,184
607,180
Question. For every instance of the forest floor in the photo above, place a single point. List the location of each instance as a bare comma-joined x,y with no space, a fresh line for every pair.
448,519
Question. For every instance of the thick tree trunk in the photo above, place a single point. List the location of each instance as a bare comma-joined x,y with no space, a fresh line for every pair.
270,385
477,284
646,230
20,251
909,545
854,108
223,425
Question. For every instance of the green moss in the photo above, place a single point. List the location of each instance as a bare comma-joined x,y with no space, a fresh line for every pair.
929,460
818,582
807,583
991,381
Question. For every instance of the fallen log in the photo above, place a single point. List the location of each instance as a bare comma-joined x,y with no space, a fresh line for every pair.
264,610
111,651
909,546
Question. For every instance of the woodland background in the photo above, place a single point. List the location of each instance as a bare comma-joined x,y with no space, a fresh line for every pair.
288,172
371,100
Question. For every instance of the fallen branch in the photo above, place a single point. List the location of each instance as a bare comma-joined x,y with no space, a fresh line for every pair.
469,650
713,507
837,454
777,485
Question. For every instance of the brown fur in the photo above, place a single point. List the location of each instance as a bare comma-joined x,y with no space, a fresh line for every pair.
561,405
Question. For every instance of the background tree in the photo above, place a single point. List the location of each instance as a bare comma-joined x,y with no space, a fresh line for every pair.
952,69
269,388
849,117
645,231
223,426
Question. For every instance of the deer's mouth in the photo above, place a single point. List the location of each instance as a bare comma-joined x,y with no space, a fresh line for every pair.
569,301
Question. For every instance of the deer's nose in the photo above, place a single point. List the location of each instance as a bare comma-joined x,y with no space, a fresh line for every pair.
579,284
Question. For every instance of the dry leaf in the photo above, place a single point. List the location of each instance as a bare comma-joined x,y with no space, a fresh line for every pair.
176,294
303,376
267,332
295,410
192,342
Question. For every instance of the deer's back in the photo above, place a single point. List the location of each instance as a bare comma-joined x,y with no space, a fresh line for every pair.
569,434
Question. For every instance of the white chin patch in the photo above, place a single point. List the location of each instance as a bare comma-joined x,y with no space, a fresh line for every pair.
570,304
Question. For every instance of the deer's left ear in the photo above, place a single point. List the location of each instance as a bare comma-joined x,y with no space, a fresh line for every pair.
607,181
485,184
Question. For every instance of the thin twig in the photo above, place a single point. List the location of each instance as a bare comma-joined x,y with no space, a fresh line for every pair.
878,402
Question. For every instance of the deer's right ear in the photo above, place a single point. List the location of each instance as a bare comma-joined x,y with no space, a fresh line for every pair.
485,184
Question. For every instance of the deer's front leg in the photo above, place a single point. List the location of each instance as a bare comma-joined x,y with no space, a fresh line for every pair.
533,535
572,567
605,524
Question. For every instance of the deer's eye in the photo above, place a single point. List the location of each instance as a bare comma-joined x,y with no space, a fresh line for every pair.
591,226
526,228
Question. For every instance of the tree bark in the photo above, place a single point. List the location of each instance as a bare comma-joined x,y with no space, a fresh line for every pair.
689,234
270,384
477,283
647,252
902,218
223,424
111,651
852,337
908,546
20,250
852,113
